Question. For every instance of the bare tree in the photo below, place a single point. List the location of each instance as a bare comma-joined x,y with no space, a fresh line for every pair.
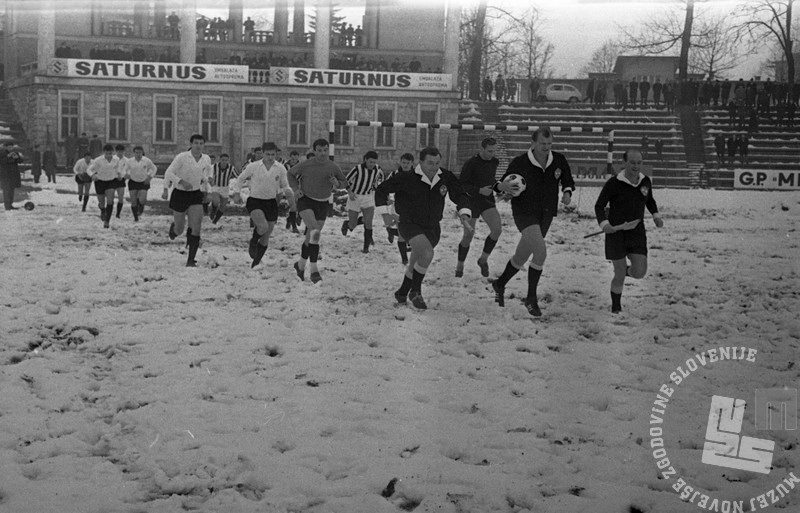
604,58
471,47
529,52
718,49
764,21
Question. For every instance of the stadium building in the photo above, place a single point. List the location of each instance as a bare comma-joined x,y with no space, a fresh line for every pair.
153,72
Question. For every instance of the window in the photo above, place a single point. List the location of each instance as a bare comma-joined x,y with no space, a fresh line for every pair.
427,114
69,114
164,107
298,123
255,110
210,119
343,135
254,124
384,136
118,107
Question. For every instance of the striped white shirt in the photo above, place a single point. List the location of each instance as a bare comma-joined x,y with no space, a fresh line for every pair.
363,180
185,167
222,177
264,183
139,170
104,169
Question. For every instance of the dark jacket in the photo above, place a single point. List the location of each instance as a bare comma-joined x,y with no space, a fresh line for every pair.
9,168
541,192
418,203
478,173
627,201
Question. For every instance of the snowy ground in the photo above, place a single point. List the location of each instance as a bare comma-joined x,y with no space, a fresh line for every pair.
133,384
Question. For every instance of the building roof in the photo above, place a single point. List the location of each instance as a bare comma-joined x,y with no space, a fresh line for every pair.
631,59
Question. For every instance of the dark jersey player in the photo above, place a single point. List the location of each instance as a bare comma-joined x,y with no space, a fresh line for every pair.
627,195
533,210
478,177
419,201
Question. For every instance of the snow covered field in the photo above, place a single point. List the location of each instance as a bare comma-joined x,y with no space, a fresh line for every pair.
133,384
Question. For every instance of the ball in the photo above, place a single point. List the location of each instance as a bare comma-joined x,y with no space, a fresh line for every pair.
517,183
29,205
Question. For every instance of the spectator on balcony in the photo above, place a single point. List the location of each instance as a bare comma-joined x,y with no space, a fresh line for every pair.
359,35
644,91
249,27
63,51
350,34
719,146
173,20
414,66
138,54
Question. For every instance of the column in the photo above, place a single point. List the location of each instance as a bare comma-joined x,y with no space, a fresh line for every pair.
188,26
281,21
370,24
322,36
299,22
10,65
159,17
140,18
236,15
451,40
46,34
97,17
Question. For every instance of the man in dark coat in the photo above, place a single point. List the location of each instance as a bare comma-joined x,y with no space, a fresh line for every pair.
9,174
644,91
633,90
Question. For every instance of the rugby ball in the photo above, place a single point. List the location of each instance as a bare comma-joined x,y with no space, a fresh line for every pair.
517,183
29,205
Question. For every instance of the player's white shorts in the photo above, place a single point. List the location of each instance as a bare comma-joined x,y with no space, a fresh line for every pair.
361,201
222,191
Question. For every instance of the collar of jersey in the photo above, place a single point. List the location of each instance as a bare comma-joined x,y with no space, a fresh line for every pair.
424,178
622,178
535,163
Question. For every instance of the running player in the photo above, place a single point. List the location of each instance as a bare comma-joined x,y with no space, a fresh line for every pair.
478,177
223,172
362,180
119,185
419,201
189,174
140,171
105,174
313,182
533,210
83,179
390,217
627,194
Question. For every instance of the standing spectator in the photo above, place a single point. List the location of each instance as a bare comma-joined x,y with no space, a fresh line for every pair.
249,27
715,90
790,111
731,143
313,182
50,163
350,35
533,210
83,144
644,91
669,96
173,20
359,34
617,94
511,85
780,113
95,146
744,148
633,89
533,89
725,91
419,201
70,149
589,92
487,89
500,88
732,113
645,145
36,163
188,174
9,174
719,145
657,87
659,149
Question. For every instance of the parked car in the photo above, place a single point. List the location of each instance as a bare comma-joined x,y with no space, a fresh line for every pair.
561,93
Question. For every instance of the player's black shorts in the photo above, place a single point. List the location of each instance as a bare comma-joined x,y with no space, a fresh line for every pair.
133,185
83,179
180,201
117,183
478,205
101,186
320,208
526,220
409,231
627,242
268,206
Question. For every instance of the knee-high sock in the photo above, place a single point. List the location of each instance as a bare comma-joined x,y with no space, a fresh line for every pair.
313,253
489,244
462,252
533,281
85,201
508,273
194,243
416,279
119,208
403,247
